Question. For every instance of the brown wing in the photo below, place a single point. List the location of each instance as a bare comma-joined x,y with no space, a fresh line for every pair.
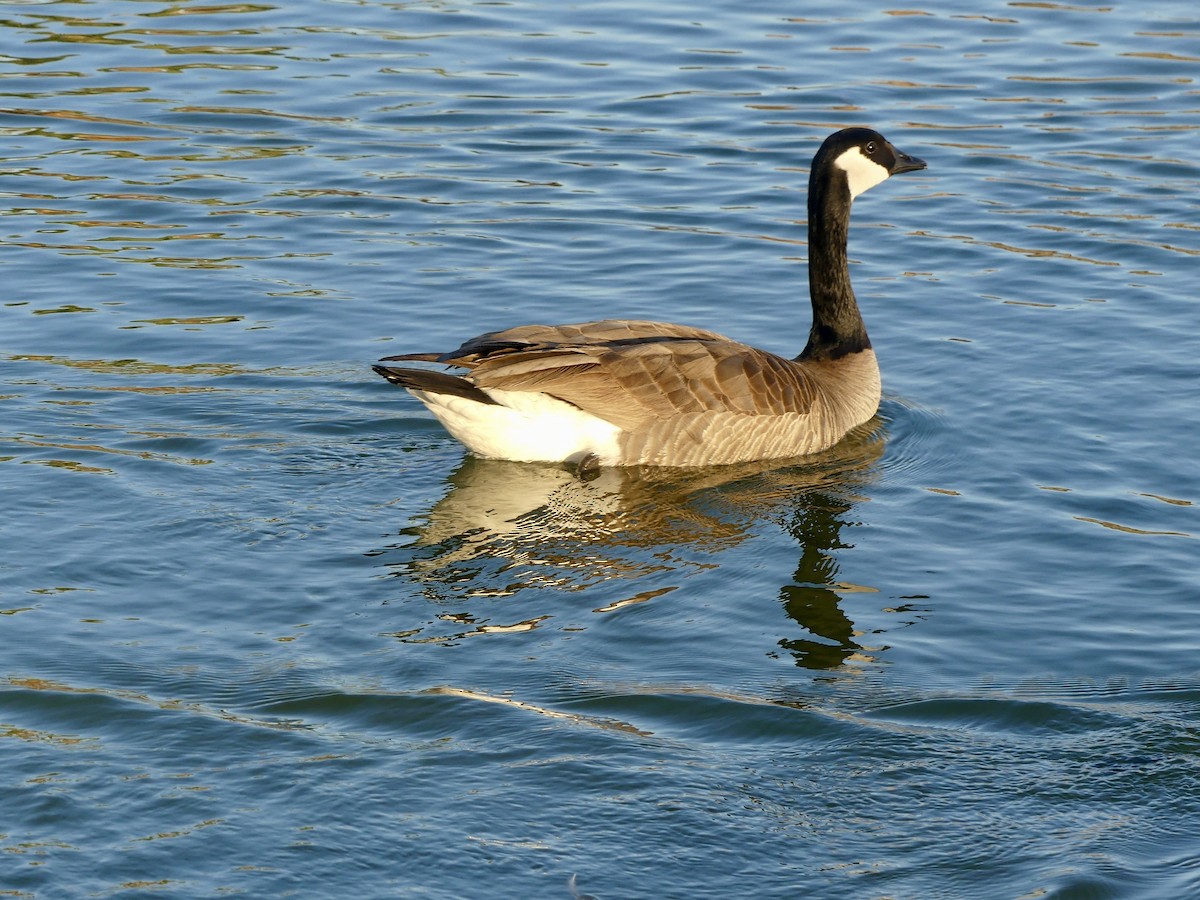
545,337
632,382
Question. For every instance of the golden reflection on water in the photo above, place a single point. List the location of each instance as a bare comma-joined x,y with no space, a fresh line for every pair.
144,701
41,737
132,366
1129,529
99,439
75,446
575,718
507,530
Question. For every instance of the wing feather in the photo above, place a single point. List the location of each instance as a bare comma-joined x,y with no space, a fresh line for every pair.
526,338
633,383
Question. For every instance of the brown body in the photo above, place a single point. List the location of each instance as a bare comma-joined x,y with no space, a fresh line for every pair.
679,396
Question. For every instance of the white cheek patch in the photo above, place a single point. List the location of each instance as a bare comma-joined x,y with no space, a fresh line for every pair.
861,171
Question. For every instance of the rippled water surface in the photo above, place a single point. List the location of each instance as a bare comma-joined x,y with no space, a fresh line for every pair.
267,630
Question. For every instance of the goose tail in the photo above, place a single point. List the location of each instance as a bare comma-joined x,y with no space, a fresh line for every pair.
432,383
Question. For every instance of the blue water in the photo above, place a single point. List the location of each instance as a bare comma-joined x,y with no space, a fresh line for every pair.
268,630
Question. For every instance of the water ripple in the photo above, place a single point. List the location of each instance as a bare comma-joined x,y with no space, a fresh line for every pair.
261,617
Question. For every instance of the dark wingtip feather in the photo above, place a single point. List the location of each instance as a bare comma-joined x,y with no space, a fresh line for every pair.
432,382
413,357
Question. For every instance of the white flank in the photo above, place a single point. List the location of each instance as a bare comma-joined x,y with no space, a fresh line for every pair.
862,172
524,427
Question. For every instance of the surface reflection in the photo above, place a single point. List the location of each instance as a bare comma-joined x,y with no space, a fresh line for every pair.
504,531
814,596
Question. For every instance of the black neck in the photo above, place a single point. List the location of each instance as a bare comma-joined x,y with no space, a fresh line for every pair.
837,327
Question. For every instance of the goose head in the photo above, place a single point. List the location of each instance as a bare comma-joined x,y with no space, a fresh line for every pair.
862,157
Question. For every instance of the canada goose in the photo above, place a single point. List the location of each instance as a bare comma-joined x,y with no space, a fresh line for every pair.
629,392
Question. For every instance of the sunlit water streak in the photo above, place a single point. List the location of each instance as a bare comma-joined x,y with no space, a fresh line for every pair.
265,629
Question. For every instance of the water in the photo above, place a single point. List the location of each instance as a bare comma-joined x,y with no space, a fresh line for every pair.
267,631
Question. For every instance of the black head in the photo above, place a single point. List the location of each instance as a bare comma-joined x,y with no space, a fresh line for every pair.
864,156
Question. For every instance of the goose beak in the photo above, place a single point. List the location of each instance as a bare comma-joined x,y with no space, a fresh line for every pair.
906,163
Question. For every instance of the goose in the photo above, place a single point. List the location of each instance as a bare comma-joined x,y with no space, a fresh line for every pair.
627,392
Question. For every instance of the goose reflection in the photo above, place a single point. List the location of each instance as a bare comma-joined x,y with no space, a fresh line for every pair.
515,531
814,596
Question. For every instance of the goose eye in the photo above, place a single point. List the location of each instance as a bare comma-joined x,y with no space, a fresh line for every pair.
870,148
